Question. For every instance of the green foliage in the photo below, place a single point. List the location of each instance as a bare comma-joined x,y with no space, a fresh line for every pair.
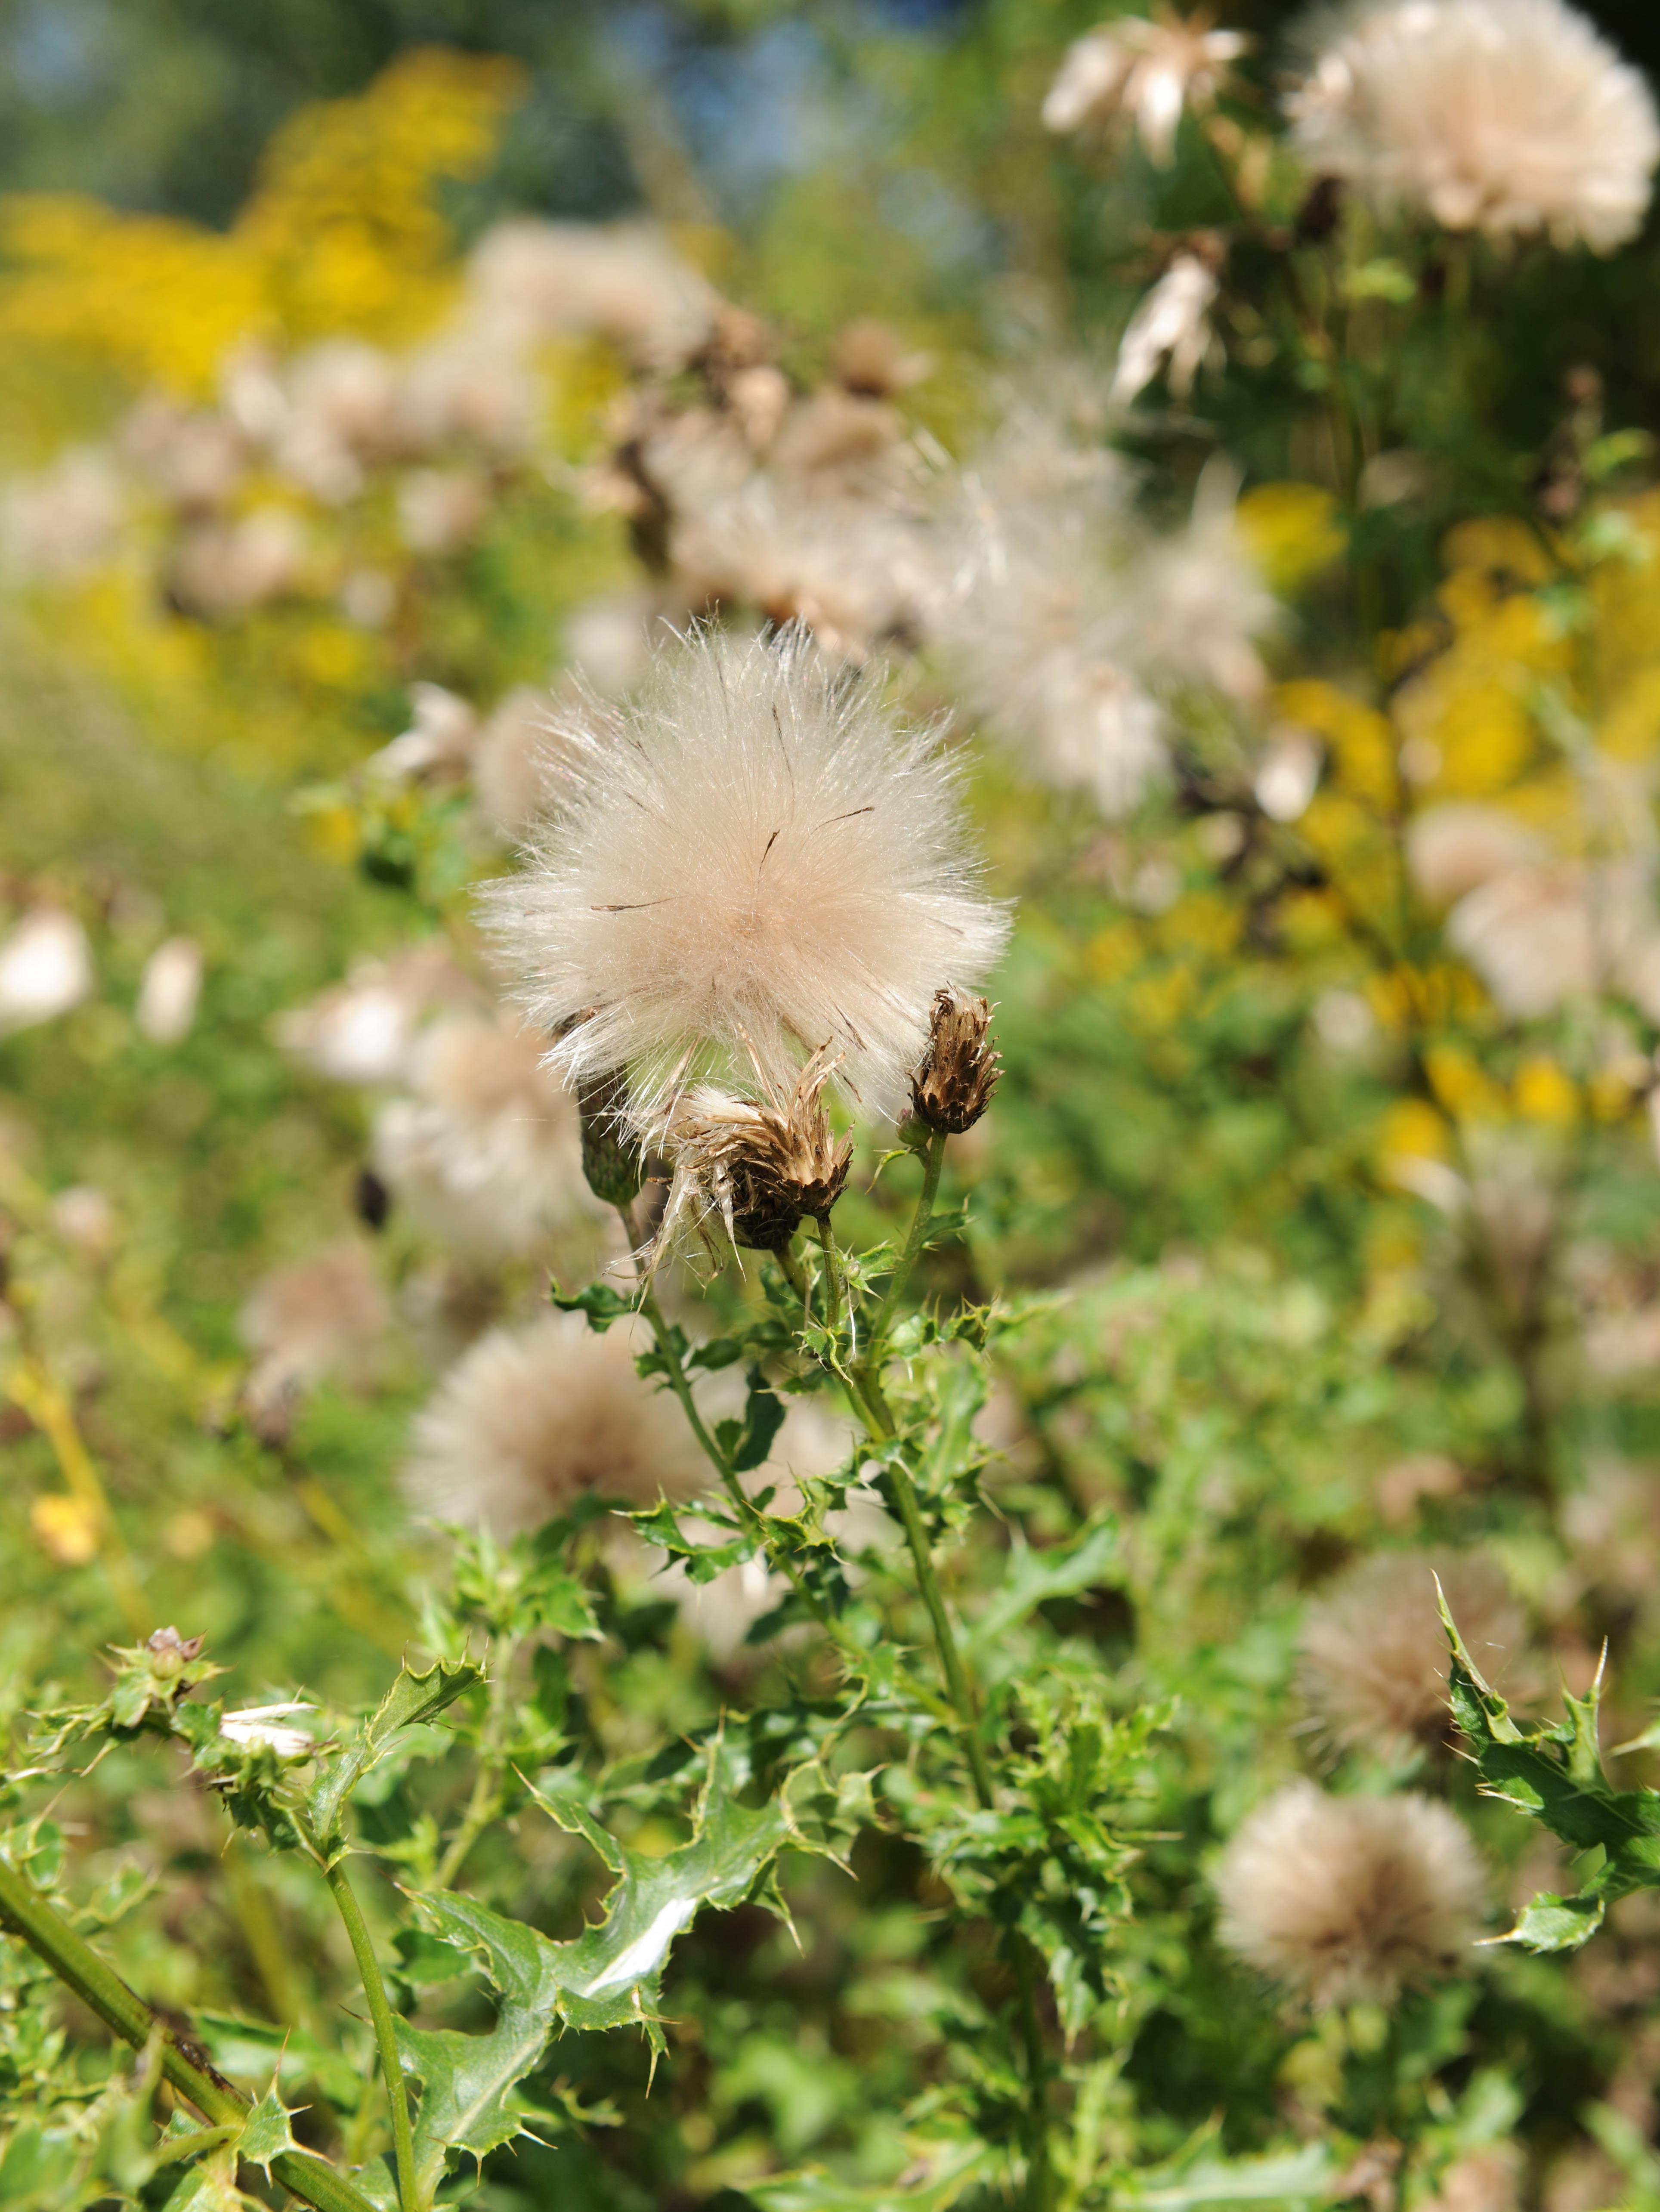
1552,1771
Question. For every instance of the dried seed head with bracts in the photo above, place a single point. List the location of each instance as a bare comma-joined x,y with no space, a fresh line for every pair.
752,852
958,1073
1508,117
530,1420
1350,1900
756,1169
1374,1659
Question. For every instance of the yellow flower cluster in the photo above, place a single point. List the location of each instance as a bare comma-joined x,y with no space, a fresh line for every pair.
342,235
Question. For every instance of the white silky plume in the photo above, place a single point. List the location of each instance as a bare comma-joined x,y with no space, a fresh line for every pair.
1508,117
1041,622
751,856
530,1420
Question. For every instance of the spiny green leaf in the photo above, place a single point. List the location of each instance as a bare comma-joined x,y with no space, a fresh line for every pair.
602,1304
1082,1563
266,2133
1554,1773
746,1442
416,1695
611,1975
1556,1923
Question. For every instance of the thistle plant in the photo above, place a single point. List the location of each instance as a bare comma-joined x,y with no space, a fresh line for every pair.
831,1588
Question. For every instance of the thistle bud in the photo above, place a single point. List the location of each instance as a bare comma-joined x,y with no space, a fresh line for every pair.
958,1073
610,1157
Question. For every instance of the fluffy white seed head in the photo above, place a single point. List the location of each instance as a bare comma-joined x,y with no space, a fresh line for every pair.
1374,1653
1145,72
321,1317
45,968
752,855
487,1153
531,1420
1455,848
1509,117
1041,622
168,995
529,280
1350,1900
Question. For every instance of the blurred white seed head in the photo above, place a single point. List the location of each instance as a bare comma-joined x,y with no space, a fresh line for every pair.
1145,72
751,855
529,280
194,459
1509,117
1040,618
364,1030
441,510
168,993
1455,848
226,567
1170,330
487,1152
1374,1652
45,969
63,522
1350,1900
1288,774
1202,604
439,743
325,1315
1532,936
531,1420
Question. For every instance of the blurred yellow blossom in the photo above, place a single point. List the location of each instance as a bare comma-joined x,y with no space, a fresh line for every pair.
65,1527
1360,739
1542,1092
341,235
1413,1130
1292,531
1462,1086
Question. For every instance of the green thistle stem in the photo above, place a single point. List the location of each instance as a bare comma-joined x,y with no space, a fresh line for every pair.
24,1913
385,2035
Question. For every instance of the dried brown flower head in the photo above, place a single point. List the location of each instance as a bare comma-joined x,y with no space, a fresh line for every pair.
1350,1900
958,1073
1374,1668
758,1167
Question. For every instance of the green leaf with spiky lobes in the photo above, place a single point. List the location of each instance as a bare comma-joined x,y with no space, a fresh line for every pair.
417,1695
610,1976
209,2185
1549,1922
266,2133
1552,1772
1084,1561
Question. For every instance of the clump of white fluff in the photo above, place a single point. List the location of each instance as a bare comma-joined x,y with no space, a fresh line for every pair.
1350,1900
752,855
487,1153
1509,117
1039,623
531,1420
1069,621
